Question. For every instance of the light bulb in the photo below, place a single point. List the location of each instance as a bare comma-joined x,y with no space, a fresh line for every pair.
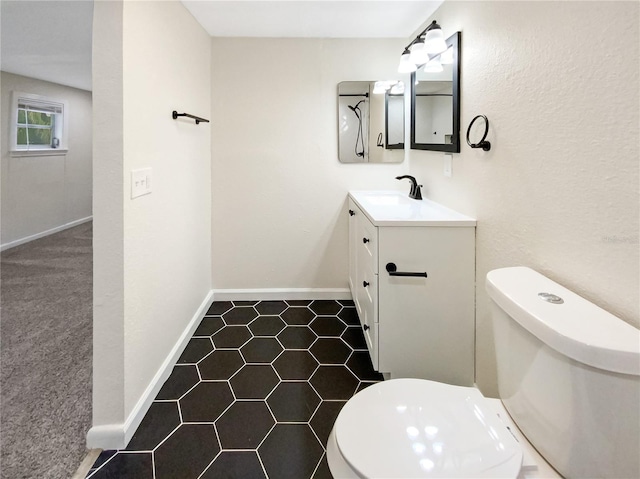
446,58
434,66
419,55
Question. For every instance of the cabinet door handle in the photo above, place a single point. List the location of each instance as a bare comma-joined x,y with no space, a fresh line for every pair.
365,240
351,212
392,269
365,284
365,327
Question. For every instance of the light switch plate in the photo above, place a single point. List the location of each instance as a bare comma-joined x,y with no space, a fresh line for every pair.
140,182
448,160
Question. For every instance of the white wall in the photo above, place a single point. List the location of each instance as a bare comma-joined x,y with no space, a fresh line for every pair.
559,189
42,193
279,191
163,240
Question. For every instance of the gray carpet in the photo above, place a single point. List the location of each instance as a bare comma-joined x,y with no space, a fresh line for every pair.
45,355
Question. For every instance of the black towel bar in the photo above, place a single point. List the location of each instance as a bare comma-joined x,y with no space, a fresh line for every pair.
175,115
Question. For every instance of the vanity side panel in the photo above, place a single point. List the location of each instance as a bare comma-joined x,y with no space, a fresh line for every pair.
426,325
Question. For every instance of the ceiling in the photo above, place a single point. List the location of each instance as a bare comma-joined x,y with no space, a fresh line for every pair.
51,39
311,18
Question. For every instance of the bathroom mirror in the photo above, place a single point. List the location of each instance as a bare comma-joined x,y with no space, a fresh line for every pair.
435,101
371,121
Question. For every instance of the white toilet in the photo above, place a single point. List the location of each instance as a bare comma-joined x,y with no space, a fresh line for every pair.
568,377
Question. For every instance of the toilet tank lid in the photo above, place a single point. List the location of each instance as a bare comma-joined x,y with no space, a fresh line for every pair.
575,328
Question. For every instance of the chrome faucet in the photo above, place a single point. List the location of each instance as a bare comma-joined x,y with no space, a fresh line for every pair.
415,192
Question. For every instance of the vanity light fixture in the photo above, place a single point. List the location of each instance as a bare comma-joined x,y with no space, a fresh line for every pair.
406,65
434,41
428,44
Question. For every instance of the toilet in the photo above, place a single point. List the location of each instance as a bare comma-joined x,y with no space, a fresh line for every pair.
569,386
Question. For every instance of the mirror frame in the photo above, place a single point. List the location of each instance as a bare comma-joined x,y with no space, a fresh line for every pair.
454,147
392,146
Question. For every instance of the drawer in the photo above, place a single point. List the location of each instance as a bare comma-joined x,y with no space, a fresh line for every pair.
368,296
367,244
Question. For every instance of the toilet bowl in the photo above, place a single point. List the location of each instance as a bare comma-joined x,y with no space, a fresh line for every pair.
562,364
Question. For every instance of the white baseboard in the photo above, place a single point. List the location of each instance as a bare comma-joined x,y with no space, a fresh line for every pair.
280,293
36,236
117,436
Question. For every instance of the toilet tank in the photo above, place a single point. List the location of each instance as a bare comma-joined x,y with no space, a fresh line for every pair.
568,374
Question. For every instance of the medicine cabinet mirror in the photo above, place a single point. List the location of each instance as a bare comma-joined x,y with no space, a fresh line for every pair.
435,101
371,121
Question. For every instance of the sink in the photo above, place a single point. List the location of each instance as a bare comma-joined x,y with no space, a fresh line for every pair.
394,208
382,199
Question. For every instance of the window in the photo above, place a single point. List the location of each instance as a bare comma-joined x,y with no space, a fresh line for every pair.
39,125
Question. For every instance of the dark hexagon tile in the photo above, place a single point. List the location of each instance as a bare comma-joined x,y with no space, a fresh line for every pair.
324,307
206,402
297,337
360,364
182,379
334,382
219,307
354,337
290,451
254,381
347,302
244,425
124,465
330,351
187,452
160,420
209,325
298,302
328,326
293,402
231,337
298,316
324,418
266,326
271,307
261,350
103,457
294,365
197,348
220,364
245,303
323,471
240,316
349,316
235,465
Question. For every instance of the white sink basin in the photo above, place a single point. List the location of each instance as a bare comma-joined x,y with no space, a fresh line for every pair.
394,208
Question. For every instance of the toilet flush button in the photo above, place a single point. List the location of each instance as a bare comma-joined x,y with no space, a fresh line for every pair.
551,298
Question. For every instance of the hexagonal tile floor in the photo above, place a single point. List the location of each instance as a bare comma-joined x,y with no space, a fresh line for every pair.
254,395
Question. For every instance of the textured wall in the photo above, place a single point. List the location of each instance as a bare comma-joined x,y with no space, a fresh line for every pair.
279,192
40,193
153,253
559,189
167,233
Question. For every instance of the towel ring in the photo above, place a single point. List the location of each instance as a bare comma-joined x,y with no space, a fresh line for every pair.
485,145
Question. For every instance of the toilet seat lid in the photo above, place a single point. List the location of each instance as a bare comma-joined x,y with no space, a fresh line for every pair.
406,428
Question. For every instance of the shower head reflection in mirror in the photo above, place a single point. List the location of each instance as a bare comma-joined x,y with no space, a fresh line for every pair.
371,121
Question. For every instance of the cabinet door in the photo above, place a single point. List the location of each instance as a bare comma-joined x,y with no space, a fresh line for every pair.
426,327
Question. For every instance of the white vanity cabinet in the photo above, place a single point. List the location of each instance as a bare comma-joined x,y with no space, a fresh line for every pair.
415,326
